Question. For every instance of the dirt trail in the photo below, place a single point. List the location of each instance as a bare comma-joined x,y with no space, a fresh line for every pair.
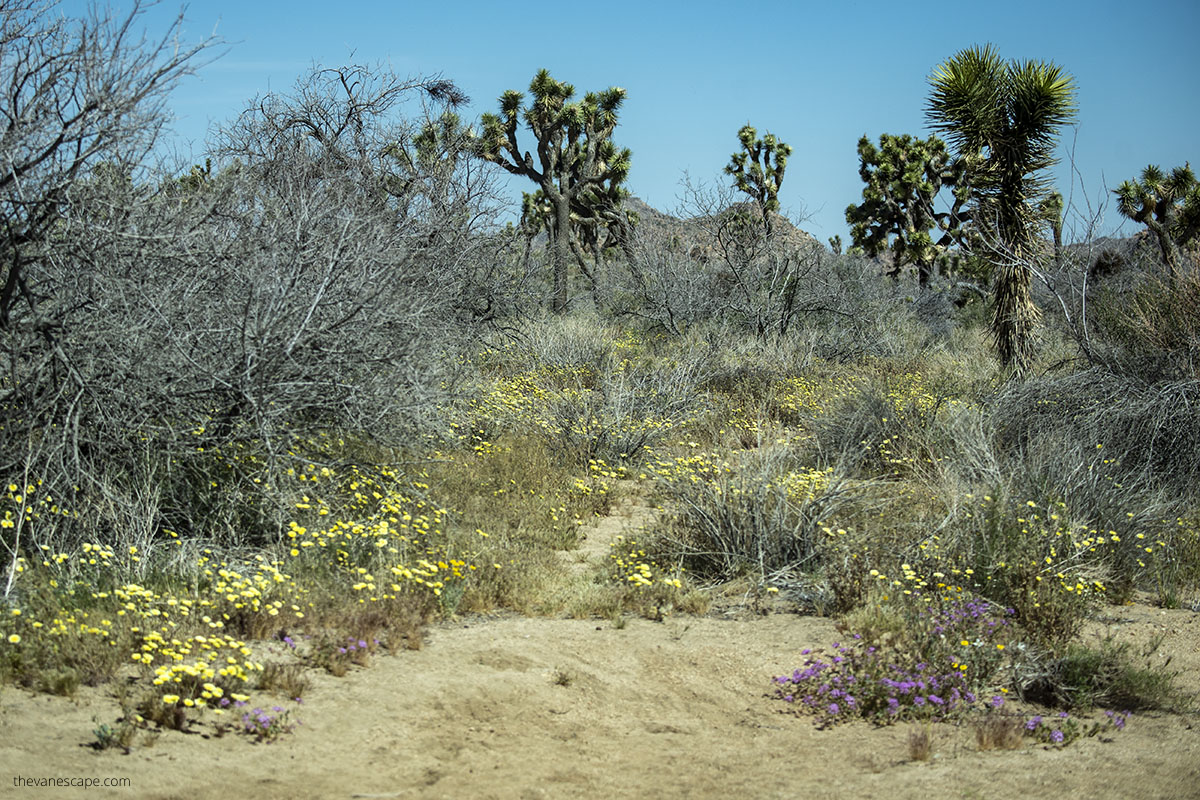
513,707
630,513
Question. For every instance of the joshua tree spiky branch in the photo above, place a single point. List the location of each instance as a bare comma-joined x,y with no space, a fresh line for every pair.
575,154
1169,205
903,177
758,170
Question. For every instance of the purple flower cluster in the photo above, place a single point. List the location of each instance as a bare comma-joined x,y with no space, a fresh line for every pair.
1063,729
856,681
266,725
357,645
972,616
860,680
923,687
1118,718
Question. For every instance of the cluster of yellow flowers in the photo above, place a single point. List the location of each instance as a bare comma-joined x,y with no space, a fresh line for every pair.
28,504
384,540
801,398
632,566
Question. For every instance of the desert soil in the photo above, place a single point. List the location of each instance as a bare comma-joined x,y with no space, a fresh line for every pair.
514,707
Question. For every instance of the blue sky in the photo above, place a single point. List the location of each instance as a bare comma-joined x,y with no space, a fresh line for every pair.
818,75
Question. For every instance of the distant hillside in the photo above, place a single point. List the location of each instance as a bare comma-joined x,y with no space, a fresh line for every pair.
652,222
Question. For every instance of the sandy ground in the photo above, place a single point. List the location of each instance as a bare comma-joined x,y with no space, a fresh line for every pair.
512,707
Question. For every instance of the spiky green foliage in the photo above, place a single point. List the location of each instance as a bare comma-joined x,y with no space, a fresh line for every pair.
577,163
1169,205
1004,117
439,148
904,176
1051,210
758,169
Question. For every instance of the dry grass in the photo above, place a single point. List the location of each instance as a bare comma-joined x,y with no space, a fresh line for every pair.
999,732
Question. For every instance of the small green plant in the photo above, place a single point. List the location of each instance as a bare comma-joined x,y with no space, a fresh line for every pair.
1110,674
108,736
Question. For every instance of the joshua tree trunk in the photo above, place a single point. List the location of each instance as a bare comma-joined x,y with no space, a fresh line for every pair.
560,249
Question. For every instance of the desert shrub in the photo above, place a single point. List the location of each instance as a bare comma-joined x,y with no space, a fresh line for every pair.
588,393
1151,332
1035,560
1118,454
761,515
574,344
770,282
1109,674
1142,428
888,426
933,666
212,330
630,411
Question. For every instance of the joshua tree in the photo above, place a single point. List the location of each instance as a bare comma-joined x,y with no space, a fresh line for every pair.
1169,205
754,173
1051,210
903,177
1003,117
576,156
598,222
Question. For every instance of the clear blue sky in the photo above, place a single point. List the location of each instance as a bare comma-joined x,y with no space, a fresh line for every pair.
819,75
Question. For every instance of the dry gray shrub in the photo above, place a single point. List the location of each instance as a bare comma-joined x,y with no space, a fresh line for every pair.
172,344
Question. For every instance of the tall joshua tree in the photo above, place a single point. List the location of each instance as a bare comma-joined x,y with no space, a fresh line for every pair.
1004,117
903,178
758,170
576,157
1169,205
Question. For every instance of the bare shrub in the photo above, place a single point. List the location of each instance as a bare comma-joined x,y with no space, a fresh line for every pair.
85,96
626,414
1145,432
722,264
189,339
665,287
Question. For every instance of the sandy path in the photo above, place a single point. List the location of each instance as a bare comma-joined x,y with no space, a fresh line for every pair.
672,709
512,707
